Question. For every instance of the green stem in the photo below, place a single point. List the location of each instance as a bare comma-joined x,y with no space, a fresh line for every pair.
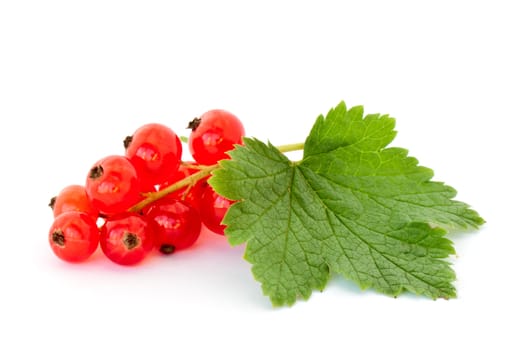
191,165
188,181
291,147
184,139
203,172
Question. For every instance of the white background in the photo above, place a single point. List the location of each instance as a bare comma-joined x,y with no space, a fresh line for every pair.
78,76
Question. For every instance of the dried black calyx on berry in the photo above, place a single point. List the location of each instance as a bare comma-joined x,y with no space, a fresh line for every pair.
58,238
167,249
52,202
127,141
193,125
130,240
96,172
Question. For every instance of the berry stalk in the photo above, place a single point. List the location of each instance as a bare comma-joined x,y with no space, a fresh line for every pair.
192,179
291,147
189,181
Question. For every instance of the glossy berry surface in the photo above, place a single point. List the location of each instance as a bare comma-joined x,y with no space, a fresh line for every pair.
176,225
213,208
213,134
73,236
113,185
155,151
126,239
73,198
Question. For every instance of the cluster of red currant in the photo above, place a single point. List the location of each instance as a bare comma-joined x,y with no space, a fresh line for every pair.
147,198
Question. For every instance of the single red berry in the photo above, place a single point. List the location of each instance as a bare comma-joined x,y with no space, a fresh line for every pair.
73,198
155,151
113,185
74,236
126,239
213,134
213,208
175,224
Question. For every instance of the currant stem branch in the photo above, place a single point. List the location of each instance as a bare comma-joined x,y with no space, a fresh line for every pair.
203,172
188,181
291,147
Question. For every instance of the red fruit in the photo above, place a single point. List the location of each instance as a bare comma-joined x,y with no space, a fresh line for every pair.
155,151
175,224
73,198
113,185
74,236
126,239
213,208
213,134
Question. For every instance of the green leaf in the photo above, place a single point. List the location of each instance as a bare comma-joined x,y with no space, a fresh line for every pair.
351,207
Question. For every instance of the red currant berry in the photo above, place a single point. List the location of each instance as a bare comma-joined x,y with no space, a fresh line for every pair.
72,198
213,208
74,236
213,134
175,224
155,151
126,239
113,185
